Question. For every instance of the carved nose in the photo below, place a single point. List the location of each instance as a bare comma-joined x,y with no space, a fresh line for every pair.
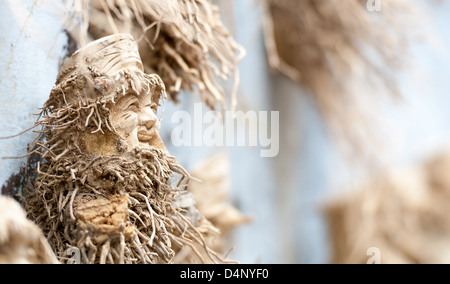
148,120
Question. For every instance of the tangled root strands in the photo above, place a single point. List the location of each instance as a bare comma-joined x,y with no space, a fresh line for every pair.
57,206
185,42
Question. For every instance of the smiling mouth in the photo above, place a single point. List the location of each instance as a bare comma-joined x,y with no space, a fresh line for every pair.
146,136
150,138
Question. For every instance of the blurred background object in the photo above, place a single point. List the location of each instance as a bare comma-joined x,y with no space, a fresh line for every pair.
347,64
403,215
210,191
397,215
21,241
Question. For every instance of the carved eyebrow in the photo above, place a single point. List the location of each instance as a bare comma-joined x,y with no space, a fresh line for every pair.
131,101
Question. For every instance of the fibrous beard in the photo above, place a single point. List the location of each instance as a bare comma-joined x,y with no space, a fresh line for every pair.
118,209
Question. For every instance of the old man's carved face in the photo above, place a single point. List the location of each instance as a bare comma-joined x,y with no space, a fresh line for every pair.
134,117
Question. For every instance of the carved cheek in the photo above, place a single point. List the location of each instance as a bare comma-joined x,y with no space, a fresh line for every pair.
126,124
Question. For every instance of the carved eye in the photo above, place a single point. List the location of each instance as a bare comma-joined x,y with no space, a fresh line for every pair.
133,107
154,107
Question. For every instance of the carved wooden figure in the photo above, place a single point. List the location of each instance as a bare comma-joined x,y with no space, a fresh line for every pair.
105,184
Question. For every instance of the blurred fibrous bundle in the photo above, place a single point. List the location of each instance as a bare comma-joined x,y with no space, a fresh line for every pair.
183,41
345,54
21,241
402,214
211,198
